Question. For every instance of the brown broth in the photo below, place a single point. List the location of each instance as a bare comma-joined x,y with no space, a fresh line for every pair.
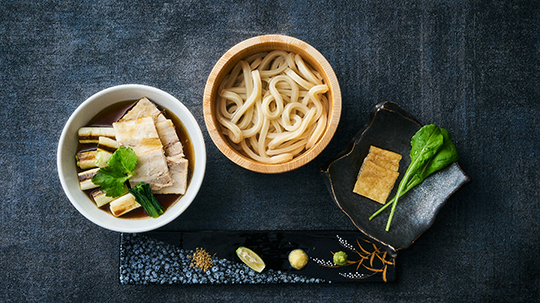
113,113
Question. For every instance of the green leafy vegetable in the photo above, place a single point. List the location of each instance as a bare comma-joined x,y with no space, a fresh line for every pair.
143,195
432,149
112,178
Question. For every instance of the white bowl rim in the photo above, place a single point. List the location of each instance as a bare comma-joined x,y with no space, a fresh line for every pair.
134,225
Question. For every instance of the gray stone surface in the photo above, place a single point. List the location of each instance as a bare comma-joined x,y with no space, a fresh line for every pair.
469,66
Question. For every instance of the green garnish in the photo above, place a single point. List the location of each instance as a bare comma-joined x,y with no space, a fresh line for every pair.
432,150
143,195
112,178
340,258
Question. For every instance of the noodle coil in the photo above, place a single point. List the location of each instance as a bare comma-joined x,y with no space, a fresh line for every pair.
273,106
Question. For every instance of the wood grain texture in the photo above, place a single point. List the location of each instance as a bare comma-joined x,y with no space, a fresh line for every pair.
263,44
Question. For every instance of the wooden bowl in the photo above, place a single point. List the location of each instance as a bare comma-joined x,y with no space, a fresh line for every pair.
264,44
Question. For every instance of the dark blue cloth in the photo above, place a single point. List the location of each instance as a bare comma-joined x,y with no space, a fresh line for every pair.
469,66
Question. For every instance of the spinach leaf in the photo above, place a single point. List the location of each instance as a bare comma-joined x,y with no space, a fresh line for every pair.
143,195
446,156
424,145
432,149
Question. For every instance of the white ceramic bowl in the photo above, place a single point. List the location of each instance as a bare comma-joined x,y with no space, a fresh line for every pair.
67,148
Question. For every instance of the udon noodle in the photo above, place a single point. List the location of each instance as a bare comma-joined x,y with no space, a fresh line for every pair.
273,106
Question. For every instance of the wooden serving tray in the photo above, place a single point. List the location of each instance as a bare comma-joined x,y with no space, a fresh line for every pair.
165,257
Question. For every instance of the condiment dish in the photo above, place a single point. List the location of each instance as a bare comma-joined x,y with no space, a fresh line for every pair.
391,128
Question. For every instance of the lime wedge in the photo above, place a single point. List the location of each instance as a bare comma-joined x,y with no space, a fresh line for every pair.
250,258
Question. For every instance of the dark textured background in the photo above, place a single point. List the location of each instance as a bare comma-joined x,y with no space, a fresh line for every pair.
469,66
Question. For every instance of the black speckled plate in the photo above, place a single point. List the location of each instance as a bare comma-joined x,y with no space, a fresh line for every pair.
165,257
390,128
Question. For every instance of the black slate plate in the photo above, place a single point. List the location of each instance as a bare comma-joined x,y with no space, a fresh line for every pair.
390,128
162,257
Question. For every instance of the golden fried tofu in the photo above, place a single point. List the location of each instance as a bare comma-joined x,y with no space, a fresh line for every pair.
377,174
384,158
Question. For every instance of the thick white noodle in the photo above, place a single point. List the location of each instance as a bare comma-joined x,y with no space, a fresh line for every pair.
273,106
304,70
254,92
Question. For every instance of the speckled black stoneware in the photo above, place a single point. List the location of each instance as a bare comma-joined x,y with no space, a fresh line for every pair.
391,128
162,257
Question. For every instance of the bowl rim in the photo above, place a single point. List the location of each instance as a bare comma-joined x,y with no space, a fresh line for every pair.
281,42
128,225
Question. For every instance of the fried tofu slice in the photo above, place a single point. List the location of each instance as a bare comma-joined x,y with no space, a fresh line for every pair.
384,158
378,174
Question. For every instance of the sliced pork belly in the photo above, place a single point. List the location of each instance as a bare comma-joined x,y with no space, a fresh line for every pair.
144,108
141,135
169,143
152,168
178,167
169,138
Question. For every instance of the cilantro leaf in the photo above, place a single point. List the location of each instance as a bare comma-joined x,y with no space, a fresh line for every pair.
112,178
